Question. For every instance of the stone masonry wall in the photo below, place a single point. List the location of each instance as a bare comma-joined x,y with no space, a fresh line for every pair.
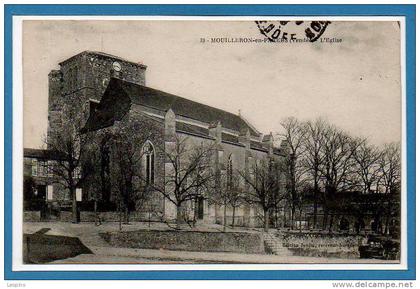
249,243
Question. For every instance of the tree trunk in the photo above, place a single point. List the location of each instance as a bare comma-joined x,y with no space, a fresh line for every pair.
325,218
284,217
276,220
74,216
224,217
120,217
300,220
293,216
266,220
126,215
178,216
233,217
315,207
95,208
331,222
386,231
195,216
150,216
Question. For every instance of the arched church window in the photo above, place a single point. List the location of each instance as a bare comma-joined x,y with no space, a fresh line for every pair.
149,162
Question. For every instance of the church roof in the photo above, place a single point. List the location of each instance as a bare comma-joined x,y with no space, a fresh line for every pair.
192,129
119,95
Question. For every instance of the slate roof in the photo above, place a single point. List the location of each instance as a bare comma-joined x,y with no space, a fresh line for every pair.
230,138
258,146
120,94
114,105
192,129
42,154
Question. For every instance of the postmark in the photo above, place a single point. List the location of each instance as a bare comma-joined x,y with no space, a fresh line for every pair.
289,31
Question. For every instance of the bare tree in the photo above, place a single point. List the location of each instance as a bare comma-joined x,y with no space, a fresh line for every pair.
126,177
338,149
128,144
313,157
227,193
92,180
190,174
264,186
367,168
390,181
293,136
235,200
390,167
71,165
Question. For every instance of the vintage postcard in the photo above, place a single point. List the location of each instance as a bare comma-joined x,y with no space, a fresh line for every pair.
195,143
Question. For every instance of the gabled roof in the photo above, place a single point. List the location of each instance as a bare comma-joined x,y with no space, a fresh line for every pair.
120,94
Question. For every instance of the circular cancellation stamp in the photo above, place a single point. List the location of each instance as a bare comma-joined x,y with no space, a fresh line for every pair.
289,31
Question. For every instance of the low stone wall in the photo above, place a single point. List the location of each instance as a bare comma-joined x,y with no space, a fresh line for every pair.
31,216
88,216
239,242
322,244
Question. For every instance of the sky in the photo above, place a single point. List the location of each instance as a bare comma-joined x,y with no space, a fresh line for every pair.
355,84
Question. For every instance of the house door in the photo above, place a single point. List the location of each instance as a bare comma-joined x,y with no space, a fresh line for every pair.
41,192
41,196
200,208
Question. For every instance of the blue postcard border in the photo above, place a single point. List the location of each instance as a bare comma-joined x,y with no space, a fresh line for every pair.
407,11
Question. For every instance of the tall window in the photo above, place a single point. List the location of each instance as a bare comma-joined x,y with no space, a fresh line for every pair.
229,171
34,167
149,159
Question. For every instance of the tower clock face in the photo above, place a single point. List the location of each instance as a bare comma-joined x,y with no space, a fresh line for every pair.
116,66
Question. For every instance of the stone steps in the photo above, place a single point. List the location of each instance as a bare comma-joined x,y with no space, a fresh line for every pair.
276,245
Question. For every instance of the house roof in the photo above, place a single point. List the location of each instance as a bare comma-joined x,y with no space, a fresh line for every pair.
42,154
120,94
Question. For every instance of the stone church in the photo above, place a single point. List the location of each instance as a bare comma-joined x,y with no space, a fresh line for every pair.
112,91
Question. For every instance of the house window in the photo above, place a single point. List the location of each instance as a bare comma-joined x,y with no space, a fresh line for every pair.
77,173
79,192
50,169
50,193
149,162
42,167
34,167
